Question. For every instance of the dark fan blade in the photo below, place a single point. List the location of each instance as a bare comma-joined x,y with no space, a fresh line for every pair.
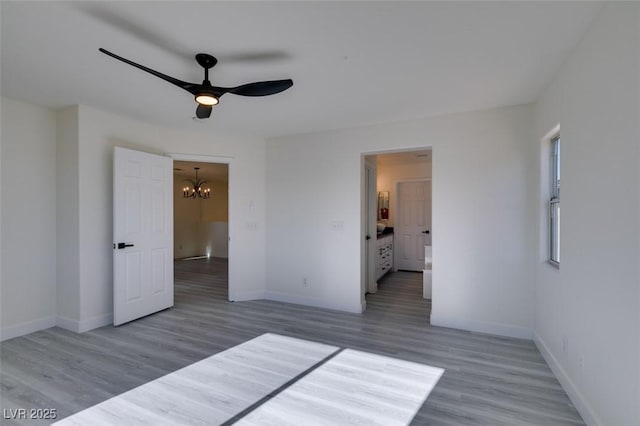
261,88
189,87
203,111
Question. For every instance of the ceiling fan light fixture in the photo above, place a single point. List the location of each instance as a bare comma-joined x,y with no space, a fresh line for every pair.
206,95
206,99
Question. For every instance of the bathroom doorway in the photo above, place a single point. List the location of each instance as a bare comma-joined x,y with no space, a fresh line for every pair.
395,172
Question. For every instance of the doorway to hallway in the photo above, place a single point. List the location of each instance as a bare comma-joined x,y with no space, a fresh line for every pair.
201,224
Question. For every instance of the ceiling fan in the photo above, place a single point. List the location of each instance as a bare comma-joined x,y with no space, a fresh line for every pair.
207,95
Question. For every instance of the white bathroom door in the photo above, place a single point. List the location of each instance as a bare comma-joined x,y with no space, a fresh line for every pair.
143,234
412,230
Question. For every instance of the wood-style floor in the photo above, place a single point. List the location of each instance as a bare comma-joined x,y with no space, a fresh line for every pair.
488,380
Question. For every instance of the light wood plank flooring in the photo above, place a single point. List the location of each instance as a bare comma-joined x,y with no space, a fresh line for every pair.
488,380
351,388
211,391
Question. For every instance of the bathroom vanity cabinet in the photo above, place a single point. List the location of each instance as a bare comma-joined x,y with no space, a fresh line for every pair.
384,255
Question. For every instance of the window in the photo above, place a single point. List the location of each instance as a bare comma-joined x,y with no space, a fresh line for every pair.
554,202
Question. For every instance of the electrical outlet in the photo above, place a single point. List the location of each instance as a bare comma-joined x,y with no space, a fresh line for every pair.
565,344
305,282
252,225
581,361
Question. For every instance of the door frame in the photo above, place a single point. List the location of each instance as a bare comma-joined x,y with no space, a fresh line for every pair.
370,218
396,205
364,207
219,159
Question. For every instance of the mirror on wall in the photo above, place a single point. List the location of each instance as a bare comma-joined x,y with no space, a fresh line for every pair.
383,205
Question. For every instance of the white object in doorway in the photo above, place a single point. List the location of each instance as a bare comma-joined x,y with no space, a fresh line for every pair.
426,272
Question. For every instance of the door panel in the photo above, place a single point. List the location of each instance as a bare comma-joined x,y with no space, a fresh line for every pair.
158,261
159,222
133,276
143,219
132,218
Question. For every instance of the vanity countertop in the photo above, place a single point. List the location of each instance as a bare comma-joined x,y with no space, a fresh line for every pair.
387,231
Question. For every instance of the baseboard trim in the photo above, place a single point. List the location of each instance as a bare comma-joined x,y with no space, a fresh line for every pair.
28,327
482,327
584,408
68,324
308,301
95,322
247,295
84,325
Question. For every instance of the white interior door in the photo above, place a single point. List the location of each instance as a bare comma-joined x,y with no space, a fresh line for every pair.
143,234
413,225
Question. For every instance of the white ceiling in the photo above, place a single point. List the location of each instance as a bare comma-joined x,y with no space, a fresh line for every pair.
353,63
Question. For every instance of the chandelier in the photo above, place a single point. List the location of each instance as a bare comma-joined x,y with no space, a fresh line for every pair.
197,191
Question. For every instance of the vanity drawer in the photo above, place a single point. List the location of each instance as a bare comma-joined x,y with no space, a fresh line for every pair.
384,255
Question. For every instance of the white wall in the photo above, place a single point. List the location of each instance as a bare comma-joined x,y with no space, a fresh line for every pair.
57,182
482,175
593,299
312,184
28,253
217,239
67,212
